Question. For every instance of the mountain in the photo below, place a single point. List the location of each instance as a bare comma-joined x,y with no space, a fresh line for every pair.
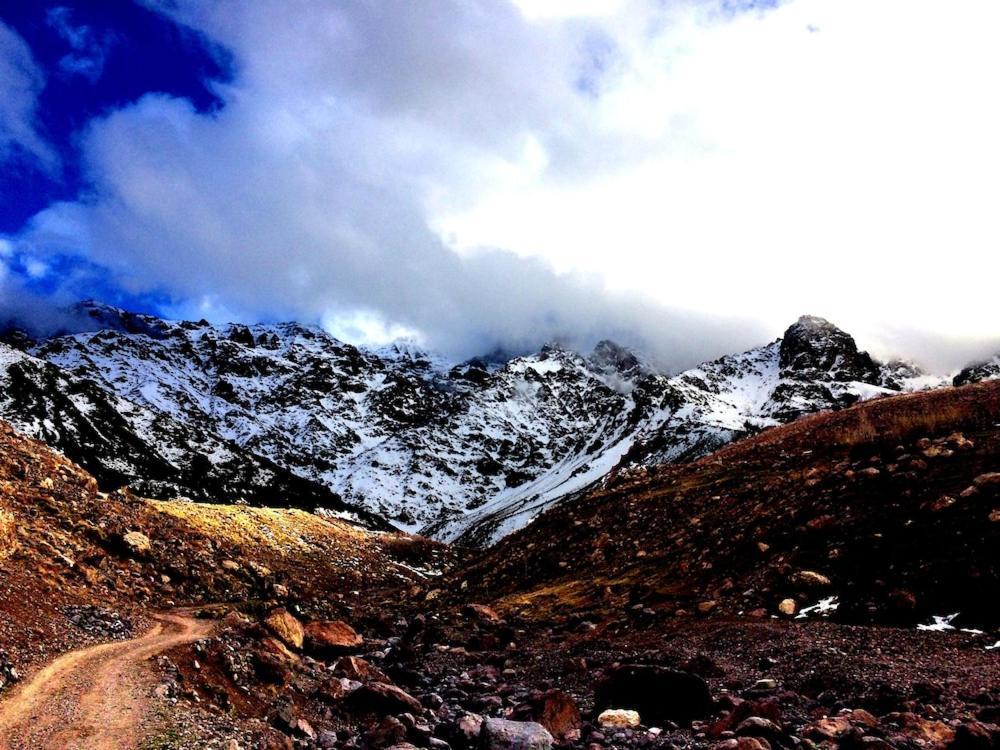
889,511
988,370
814,366
465,451
123,443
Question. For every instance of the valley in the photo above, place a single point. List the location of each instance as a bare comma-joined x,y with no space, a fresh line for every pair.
770,594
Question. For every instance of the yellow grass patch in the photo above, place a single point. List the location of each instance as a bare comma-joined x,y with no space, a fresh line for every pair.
280,529
8,535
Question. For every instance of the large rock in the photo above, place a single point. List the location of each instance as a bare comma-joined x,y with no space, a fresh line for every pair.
559,714
137,543
381,697
356,668
657,693
274,662
332,637
284,625
502,734
554,710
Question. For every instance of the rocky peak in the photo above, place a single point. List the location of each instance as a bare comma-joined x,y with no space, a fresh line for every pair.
816,348
99,316
988,370
609,357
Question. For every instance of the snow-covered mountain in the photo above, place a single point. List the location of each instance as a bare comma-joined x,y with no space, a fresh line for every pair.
988,370
465,451
122,442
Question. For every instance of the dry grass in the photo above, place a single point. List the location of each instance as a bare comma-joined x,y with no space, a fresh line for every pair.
278,529
893,419
8,535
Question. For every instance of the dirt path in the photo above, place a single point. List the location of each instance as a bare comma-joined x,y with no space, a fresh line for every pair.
97,698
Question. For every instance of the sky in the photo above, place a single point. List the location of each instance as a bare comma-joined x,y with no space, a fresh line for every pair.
684,176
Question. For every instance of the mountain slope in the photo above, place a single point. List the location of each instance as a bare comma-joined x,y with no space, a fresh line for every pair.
125,444
468,452
815,366
891,507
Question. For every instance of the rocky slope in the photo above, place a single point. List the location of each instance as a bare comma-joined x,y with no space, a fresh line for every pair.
466,452
885,512
326,636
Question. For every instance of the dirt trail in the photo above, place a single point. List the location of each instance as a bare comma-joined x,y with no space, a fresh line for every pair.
97,698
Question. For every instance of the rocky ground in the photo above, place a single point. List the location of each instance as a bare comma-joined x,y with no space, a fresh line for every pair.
669,610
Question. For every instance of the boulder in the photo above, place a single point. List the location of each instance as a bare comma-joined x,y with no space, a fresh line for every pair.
356,668
337,689
554,710
274,662
502,734
137,543
976,735
758,726
332,637
381,697
657,693
387,733
284,625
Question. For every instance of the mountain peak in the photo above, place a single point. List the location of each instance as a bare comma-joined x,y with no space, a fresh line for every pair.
109,317
608,355
813,345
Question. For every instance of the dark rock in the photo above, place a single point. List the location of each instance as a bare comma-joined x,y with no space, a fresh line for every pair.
381,697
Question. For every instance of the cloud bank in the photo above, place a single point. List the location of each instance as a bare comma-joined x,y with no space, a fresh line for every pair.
489,173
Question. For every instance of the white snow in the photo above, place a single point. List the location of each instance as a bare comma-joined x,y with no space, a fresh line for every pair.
823,608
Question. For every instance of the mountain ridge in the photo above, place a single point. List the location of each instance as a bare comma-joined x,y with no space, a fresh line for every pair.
464,451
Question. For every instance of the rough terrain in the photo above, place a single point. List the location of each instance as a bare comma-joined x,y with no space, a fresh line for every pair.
674,607
97,698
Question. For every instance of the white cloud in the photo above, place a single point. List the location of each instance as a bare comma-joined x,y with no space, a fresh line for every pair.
21,81
87,48
834,158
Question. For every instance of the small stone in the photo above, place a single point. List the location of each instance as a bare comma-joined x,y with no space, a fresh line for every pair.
809,579
991,479
618,717
787,607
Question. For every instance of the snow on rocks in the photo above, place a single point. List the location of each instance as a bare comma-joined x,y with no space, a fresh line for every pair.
823,608
469,451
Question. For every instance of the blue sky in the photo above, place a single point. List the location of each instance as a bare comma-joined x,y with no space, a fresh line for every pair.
685,176
91,58
95,57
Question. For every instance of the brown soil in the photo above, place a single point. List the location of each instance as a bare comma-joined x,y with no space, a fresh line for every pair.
96,698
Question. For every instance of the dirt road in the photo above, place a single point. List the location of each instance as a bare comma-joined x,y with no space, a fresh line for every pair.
97,698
